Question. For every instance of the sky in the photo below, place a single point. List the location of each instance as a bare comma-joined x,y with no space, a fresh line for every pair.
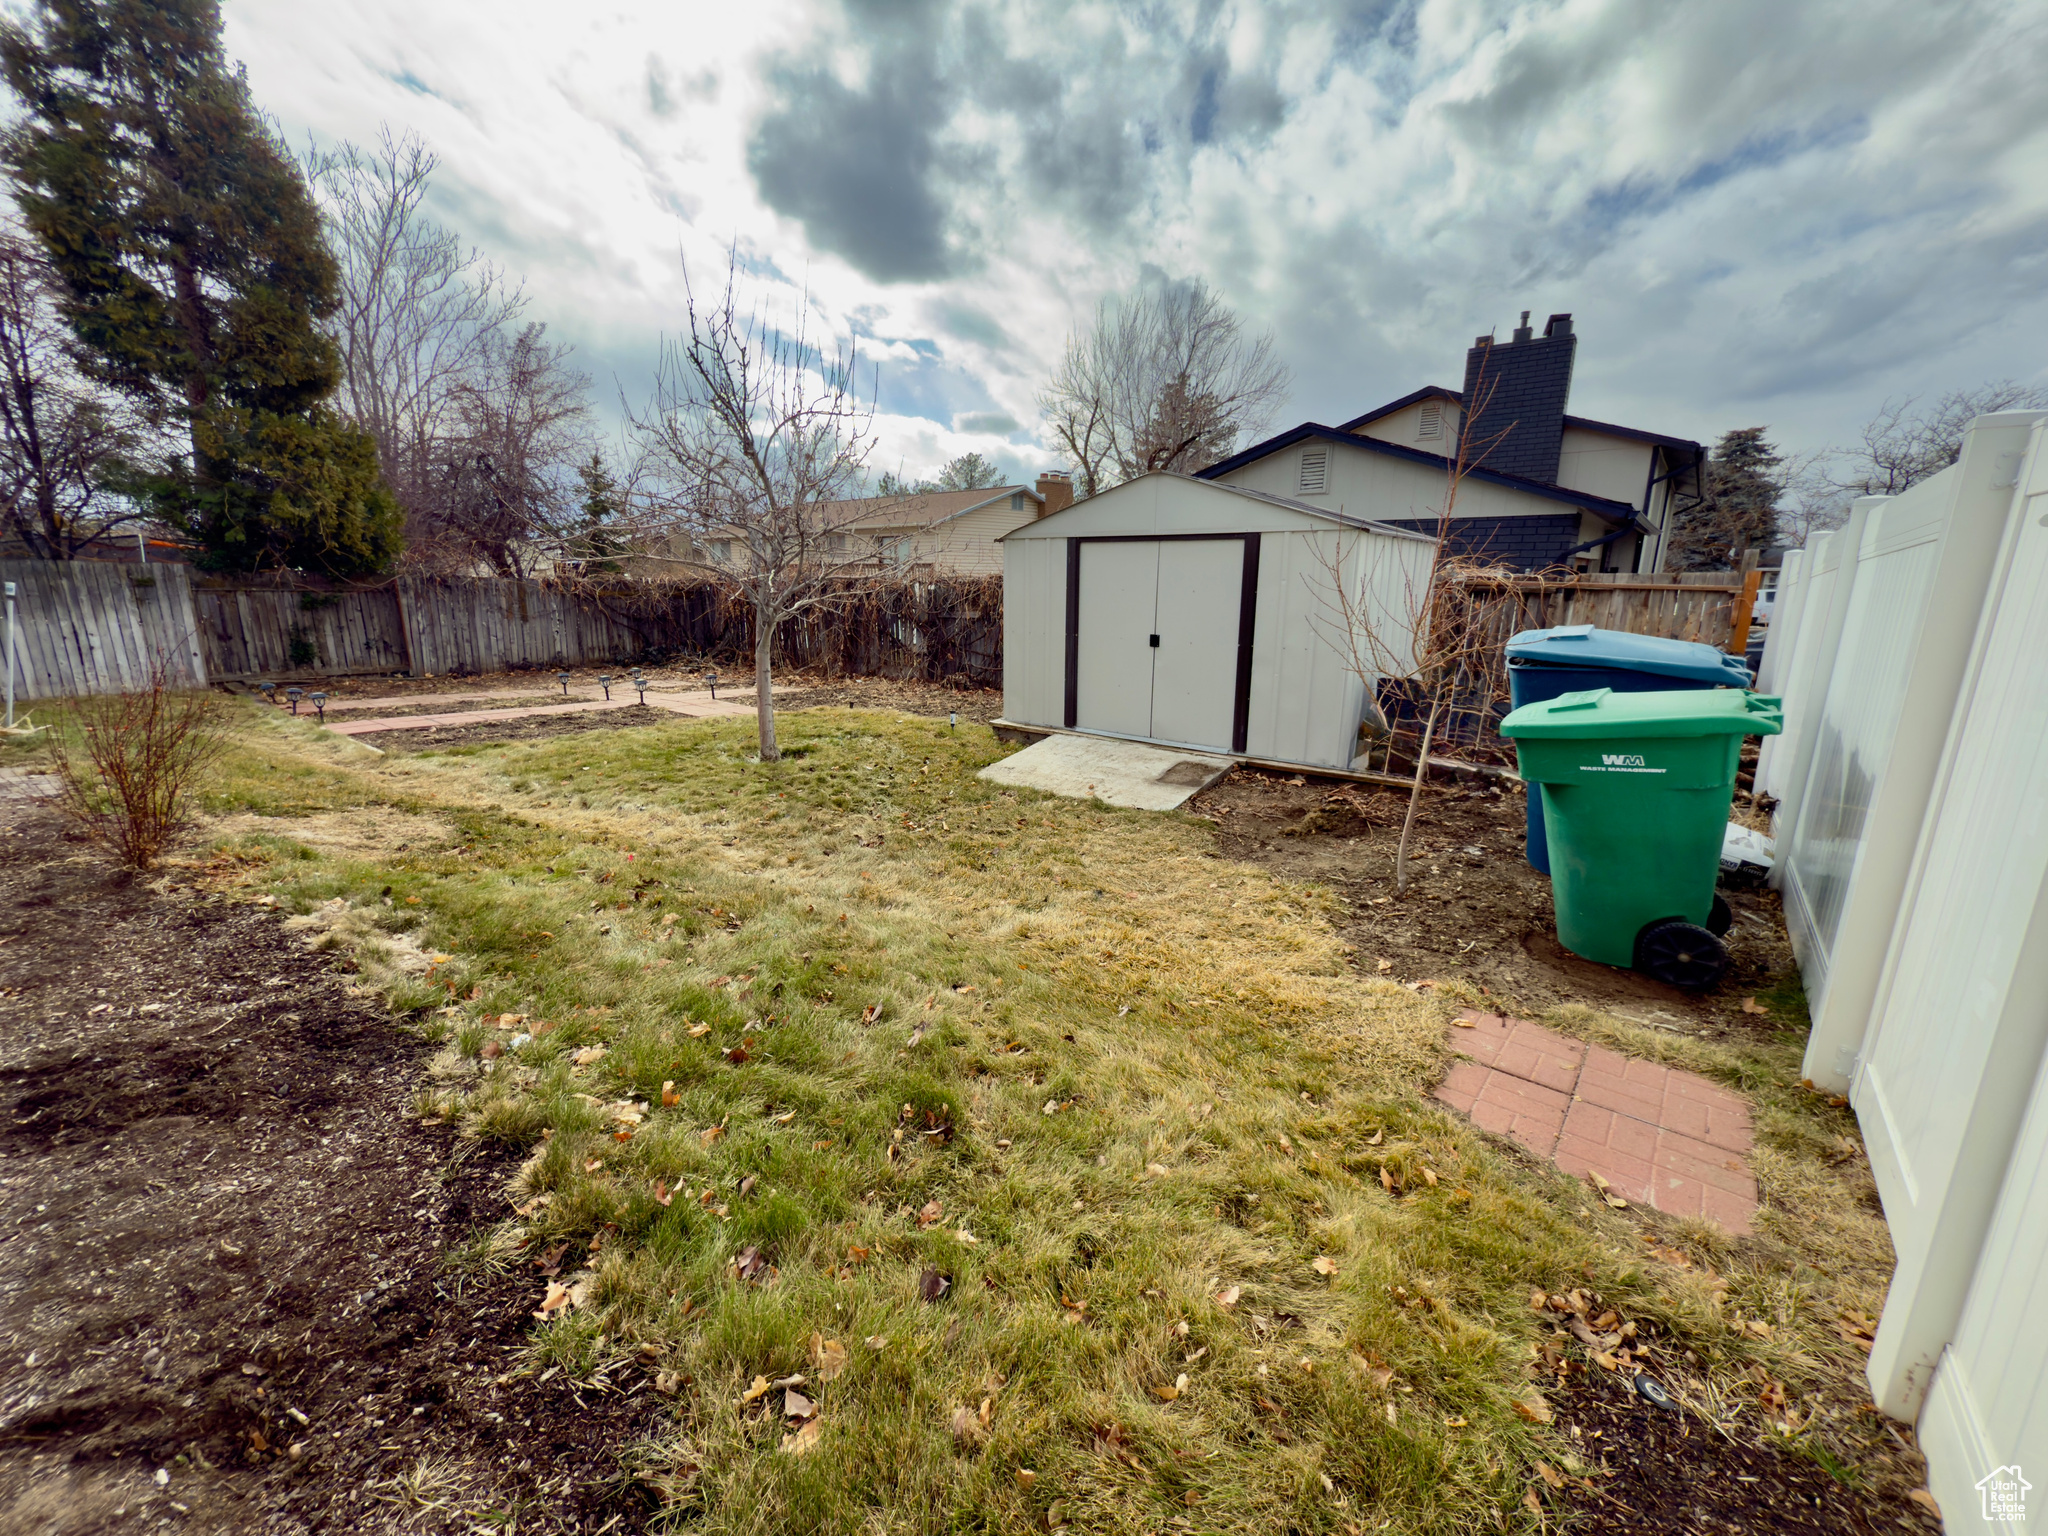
1777,212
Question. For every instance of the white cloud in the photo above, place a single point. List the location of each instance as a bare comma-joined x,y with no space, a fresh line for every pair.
1758,212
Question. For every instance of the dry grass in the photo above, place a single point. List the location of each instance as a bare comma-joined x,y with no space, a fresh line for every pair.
866,1016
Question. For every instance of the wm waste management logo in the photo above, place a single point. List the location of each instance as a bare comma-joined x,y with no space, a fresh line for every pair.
2005,1495
1619,762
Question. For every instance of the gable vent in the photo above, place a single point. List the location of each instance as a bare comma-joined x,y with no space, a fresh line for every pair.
1432,419
1315,471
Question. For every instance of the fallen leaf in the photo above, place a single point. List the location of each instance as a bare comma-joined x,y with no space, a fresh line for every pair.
1529,1498
1386,1179
967,1237
592,1164
669,1097
1925,1499
1378,1136
1325,1265
699,1031
805,1439
556,1299
738,1055
1383,966
858,1255
872,1012
711,1135
828,1356
1454,1423
785,1119
796,1406
662,1195
1052,1107
750,1264
1155,1171
1026,1477
928,1215
1751,1005
1226,1299
757,1391
931,1285
1533,1407
1545,1471
1166,1394
965,1430
876,1341
588,1055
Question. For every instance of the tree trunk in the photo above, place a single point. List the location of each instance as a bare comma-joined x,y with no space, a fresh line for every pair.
764,703
1415,797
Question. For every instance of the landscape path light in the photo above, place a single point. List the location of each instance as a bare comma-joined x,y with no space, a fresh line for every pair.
269,692
563,679
295,694
641,684
319,703
711,677
604,681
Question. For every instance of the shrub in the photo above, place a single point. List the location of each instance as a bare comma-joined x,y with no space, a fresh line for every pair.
128,771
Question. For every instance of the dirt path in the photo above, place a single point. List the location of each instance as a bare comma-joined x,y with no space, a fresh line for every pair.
225,1300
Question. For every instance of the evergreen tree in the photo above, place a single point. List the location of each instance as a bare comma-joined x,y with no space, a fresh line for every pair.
1739,512
596,541
193,275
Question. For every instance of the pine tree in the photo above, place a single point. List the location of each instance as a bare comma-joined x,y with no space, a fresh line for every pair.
194,278
596,541
1740,509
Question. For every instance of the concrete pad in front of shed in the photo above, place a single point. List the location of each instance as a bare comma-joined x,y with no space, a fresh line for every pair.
1128,773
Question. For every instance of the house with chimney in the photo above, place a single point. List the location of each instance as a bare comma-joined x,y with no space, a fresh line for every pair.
1543,489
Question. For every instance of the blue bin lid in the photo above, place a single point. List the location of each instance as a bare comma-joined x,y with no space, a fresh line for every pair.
1583,645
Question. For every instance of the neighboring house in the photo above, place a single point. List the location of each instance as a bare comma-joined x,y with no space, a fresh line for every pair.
947,532
951,533
1548,490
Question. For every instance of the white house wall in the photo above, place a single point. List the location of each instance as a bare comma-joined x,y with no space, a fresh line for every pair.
1379,486
1600,464
1405,427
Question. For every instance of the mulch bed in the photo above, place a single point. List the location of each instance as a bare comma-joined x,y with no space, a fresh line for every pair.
1660,1469
1474,908
225,1292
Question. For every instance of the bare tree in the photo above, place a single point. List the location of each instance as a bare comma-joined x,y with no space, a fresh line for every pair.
61,439
1440,636
500,484
1166,380
1900,448
420,318
753,444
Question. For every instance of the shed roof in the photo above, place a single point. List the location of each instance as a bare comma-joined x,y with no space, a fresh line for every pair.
1267,498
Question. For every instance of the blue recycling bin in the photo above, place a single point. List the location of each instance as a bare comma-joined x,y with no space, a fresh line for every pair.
1574,658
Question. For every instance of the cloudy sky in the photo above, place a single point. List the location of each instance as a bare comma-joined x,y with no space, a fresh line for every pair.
1759,211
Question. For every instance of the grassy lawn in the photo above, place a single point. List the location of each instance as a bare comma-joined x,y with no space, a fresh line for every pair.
1075,1169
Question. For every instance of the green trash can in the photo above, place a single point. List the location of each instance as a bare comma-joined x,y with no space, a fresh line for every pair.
1636,789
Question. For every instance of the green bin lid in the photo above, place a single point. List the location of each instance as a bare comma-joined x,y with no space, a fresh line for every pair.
1601,712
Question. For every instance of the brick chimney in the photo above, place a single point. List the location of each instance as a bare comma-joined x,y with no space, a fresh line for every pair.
1515,392
1057,487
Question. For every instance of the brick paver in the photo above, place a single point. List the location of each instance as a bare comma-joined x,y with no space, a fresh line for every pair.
1660,1137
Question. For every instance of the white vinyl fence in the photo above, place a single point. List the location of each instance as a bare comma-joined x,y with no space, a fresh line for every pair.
1913,856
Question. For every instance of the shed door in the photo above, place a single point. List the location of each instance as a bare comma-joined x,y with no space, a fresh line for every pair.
1194,681
1113,662
1158,638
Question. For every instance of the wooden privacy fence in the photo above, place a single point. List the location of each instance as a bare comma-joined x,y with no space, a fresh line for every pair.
91,626
94,627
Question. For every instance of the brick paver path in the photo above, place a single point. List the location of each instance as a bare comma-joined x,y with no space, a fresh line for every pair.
1668,1139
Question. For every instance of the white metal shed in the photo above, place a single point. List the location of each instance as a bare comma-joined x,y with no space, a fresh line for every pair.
1200,614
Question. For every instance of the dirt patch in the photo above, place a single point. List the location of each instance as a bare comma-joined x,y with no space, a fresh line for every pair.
1662,1469
225,1292
1474,908
438,738
801,690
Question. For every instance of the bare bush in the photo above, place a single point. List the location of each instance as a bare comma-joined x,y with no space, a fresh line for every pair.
126,781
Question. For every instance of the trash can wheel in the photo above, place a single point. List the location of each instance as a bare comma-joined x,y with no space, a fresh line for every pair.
1721,918
1681,954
